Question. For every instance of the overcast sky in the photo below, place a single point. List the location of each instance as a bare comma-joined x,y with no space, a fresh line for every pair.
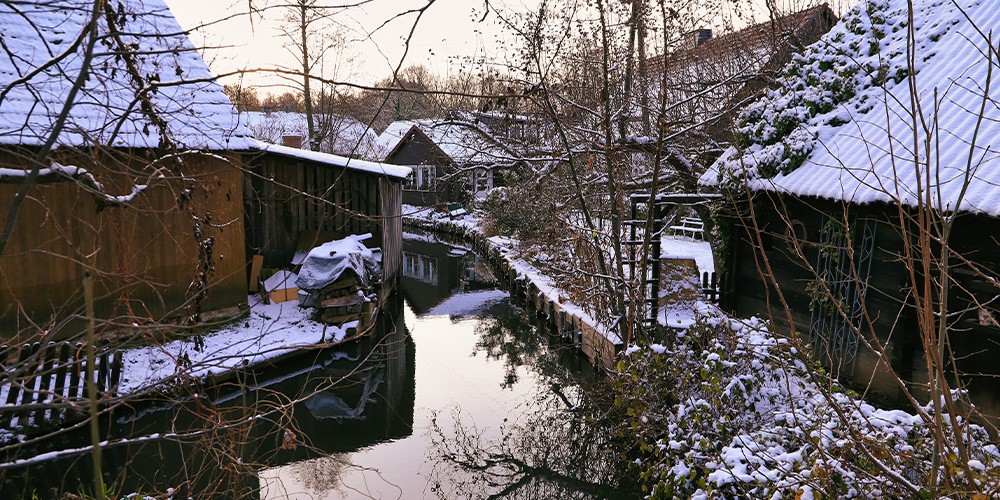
449,31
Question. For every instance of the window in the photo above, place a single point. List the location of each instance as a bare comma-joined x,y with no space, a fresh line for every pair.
423,179
420,267
482,181
837,296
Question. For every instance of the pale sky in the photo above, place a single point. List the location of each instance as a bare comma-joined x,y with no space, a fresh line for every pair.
449,30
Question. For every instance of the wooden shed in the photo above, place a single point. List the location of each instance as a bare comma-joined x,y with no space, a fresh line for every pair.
297,199
835,235
128,175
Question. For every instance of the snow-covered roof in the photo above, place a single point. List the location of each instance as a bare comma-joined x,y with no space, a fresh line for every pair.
395,132
41,60
346,136
840,125
397,171
703,81
466,143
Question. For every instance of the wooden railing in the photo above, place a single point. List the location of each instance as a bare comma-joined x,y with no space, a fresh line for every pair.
44,384
710,286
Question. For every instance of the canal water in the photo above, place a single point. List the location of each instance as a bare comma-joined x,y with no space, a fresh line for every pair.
461,393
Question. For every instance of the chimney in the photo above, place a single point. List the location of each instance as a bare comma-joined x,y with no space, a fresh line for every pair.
292,141
697,37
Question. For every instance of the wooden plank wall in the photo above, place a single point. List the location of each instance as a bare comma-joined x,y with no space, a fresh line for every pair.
392,237
144,254
286,196
893,321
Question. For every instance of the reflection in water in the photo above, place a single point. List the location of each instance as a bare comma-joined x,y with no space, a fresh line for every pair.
557,445
212,441
493,406
433,271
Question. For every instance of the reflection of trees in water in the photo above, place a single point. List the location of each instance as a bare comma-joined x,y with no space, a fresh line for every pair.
551,451
320,476
506,334
561,446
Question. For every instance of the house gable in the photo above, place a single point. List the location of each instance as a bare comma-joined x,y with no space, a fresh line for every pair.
416,148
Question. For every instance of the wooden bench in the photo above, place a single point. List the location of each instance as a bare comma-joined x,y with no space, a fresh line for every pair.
689,226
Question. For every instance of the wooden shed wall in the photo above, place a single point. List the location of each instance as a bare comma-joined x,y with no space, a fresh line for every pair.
891,314
144,254
391,193
287,198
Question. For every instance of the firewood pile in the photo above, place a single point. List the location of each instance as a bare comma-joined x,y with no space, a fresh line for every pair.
344,300
338,279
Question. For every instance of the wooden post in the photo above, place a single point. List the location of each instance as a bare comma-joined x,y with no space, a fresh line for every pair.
15,386
28,390
75,369
62,364
116,373
256,265
102,374
46,357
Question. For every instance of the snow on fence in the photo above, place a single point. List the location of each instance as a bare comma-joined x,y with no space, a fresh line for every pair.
43,382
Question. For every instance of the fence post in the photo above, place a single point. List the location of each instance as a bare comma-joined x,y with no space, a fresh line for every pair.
15,387
62,365
28,391
46,356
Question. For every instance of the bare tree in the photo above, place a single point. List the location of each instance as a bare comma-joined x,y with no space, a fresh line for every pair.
317,43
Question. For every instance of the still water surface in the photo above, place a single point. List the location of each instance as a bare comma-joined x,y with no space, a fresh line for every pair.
461,394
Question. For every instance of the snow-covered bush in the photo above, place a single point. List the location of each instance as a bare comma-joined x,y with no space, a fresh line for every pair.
729,410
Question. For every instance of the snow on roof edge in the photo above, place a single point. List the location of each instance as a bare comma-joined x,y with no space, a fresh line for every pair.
397,171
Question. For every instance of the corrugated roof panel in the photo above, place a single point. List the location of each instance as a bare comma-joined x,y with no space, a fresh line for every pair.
877,156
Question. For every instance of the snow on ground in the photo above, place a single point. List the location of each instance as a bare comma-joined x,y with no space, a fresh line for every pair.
766,424
269,331
683,247
468,303
683,316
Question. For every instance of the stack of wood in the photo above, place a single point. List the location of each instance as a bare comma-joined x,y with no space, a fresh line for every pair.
344,300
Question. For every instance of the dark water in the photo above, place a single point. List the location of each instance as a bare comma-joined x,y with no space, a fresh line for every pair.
460,394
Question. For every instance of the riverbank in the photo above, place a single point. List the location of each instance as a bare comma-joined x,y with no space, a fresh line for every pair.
596,340
722,406
267,334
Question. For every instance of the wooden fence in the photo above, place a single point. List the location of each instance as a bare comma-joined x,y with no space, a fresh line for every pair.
45,384
710,286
